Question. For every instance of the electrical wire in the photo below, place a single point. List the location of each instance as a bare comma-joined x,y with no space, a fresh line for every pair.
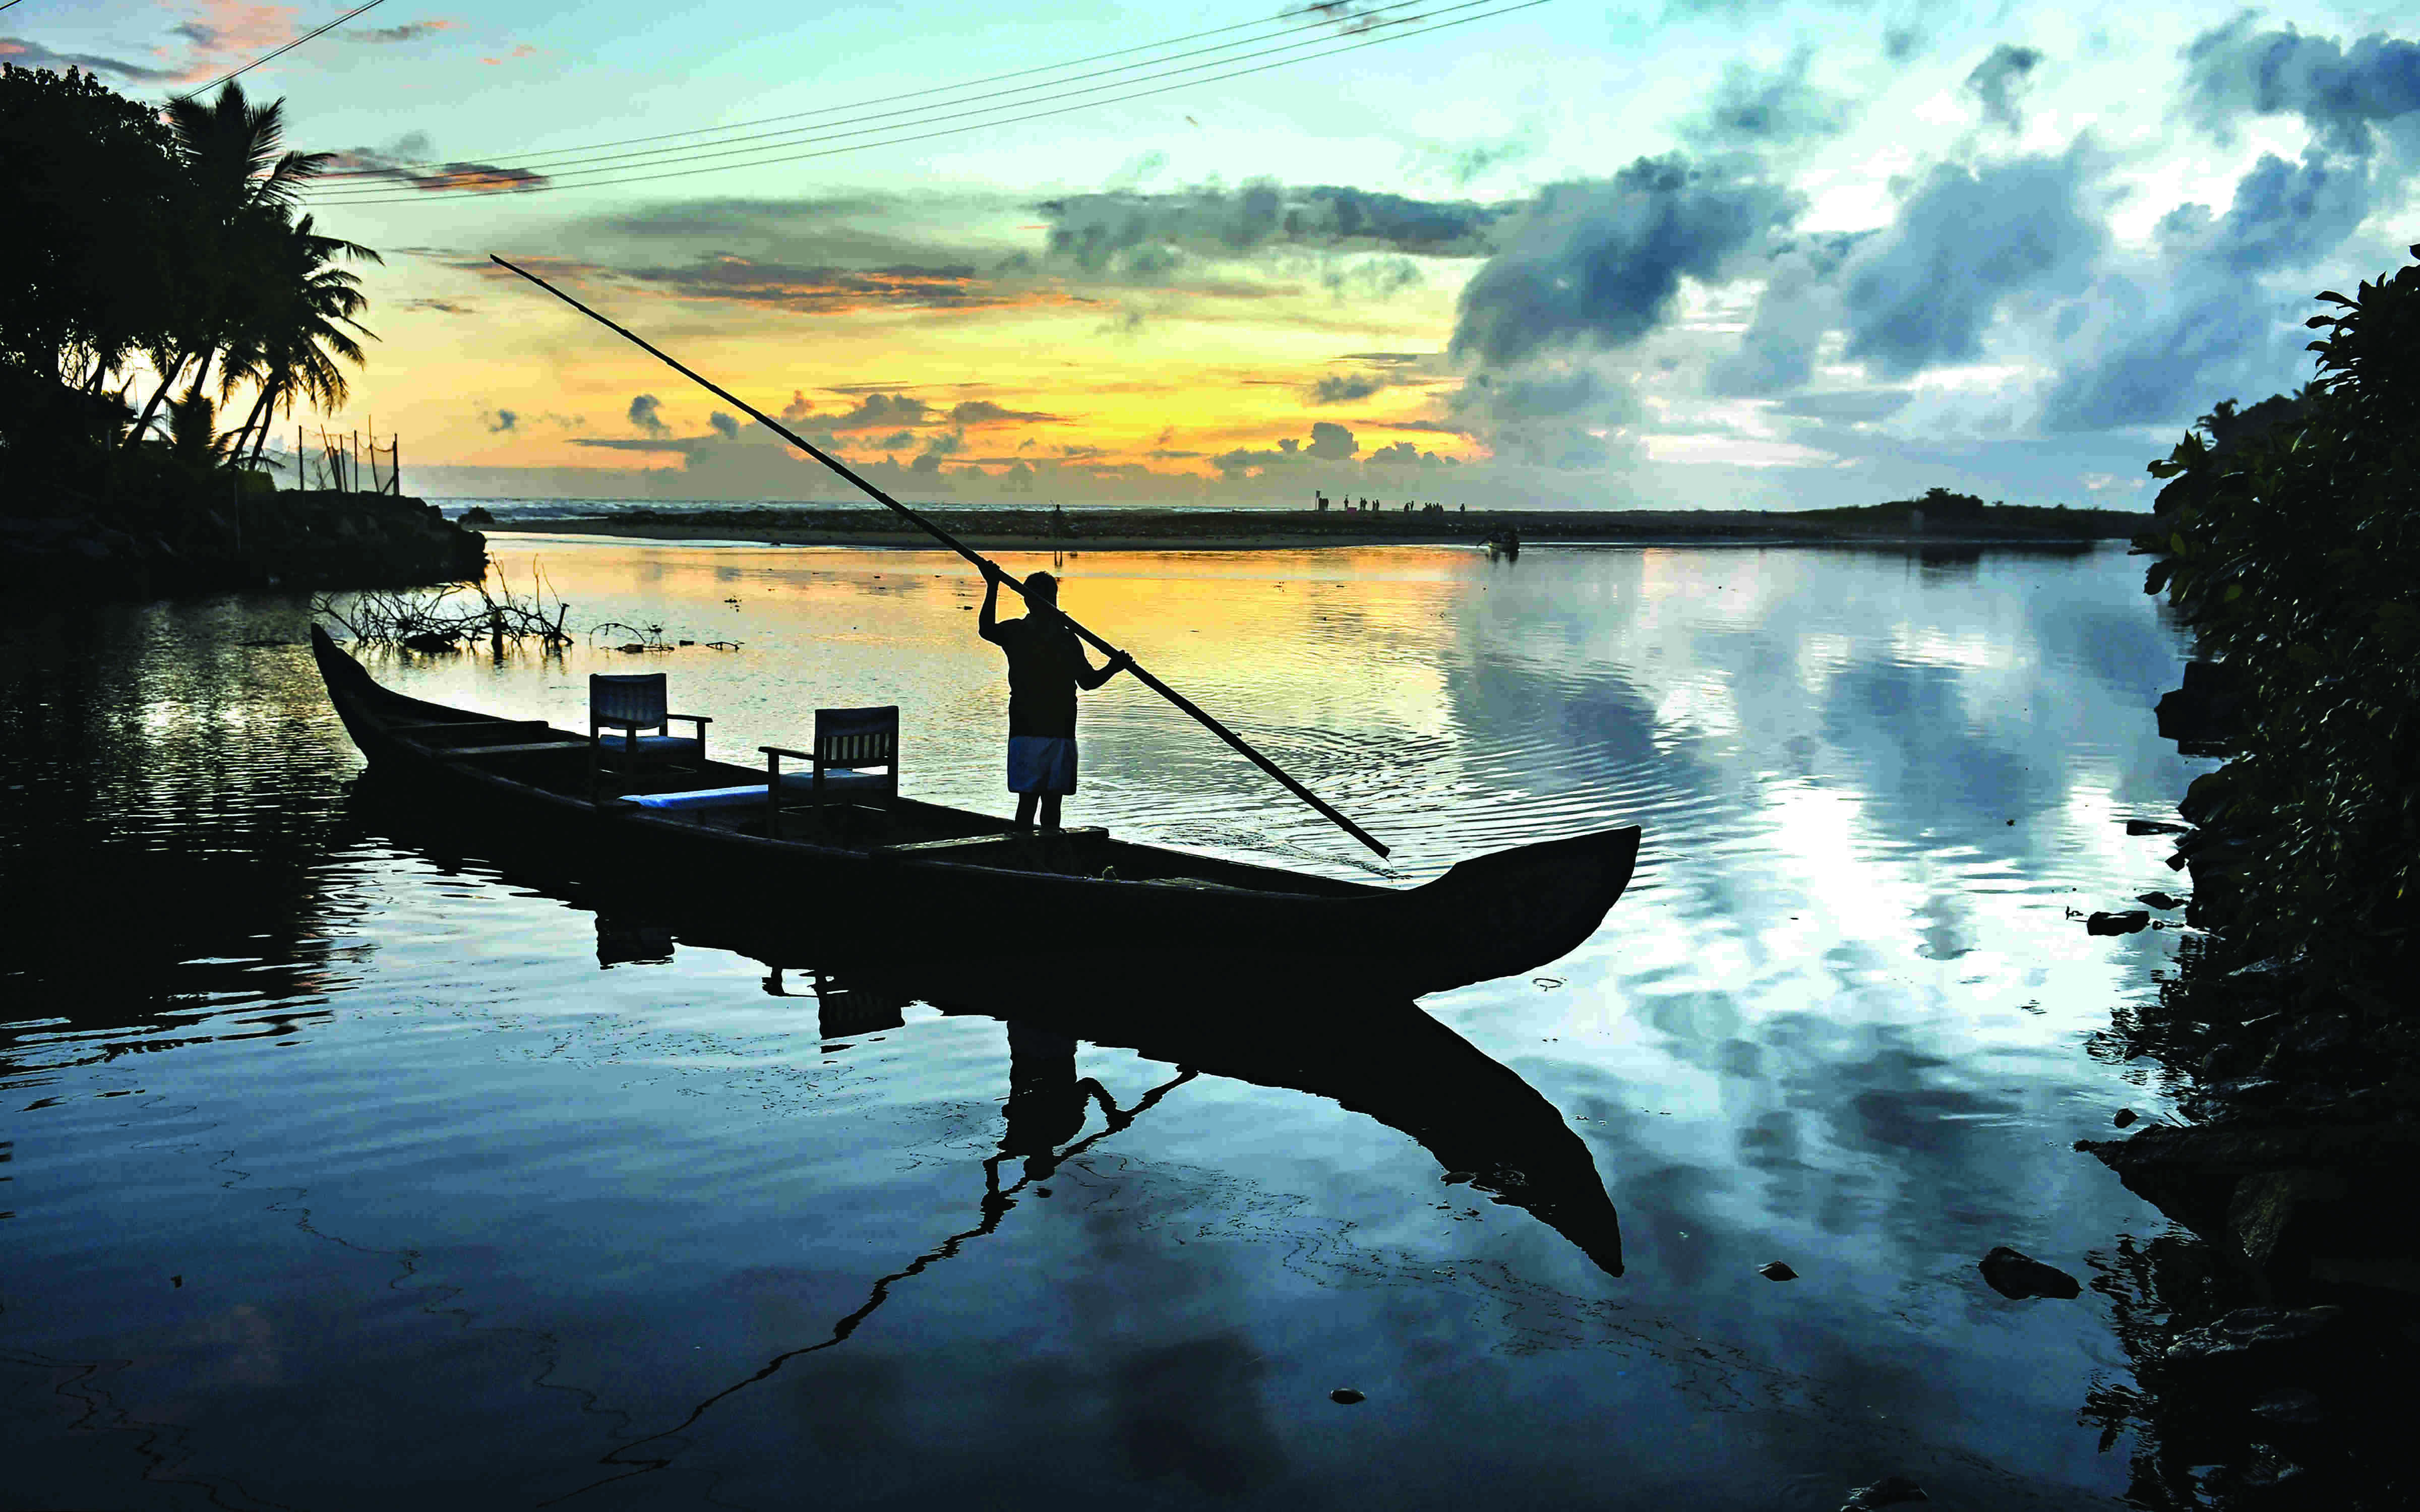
574,167
600,178
279,51
1323,16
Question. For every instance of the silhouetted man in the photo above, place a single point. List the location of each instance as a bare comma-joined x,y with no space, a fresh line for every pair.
1045,666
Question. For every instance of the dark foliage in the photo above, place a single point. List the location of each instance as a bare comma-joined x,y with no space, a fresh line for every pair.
2287,539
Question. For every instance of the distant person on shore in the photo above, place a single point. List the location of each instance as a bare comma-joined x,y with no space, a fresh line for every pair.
1045,666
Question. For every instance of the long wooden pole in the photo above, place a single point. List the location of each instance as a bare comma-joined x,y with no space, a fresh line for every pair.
952,542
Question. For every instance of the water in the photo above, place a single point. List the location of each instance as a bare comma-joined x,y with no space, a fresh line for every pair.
340,1173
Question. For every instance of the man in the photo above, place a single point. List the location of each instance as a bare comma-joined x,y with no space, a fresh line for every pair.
1045,666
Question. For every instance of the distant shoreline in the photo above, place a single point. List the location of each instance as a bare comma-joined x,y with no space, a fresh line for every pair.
1035,530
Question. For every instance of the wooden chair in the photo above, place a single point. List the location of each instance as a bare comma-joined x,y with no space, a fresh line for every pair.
627,703
848,742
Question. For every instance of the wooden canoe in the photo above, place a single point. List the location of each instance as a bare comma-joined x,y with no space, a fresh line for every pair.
920,882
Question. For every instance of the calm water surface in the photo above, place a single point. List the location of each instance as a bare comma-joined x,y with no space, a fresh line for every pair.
347,1166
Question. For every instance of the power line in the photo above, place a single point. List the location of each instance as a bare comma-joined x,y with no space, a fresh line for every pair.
275,52
572,158
601,177
1323,14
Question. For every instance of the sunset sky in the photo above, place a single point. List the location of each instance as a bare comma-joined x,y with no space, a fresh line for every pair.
1714,253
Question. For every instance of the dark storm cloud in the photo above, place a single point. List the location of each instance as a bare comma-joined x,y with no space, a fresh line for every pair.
1145,235
644,415
24,53
1599,262
1753,108
1999,80
1967,240
2341,93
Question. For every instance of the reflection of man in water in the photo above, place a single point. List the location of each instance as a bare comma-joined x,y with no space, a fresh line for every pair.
1045,1101
1045,666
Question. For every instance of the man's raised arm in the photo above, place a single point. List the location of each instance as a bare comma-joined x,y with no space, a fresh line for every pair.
988,623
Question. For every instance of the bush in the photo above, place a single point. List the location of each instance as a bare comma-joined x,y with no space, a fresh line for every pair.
2294,555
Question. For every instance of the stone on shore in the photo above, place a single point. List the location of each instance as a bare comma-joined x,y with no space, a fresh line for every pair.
2018,1276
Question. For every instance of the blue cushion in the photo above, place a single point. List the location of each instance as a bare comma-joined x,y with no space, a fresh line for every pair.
836,780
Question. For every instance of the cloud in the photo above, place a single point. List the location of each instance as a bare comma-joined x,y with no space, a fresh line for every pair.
1343,388
878,410
985,412
1798,307
828,289
1459,162
2341,93
1146,236
799,408
408,161
1599,262
1561,415
519,50
1404,453
1779,109
724,426
929,459
2163,343
1847,406
24,53
439,305
1965,242
1330,441
502,420
1999,80
645,416
409,32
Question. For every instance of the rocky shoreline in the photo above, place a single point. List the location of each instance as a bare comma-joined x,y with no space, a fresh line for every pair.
313,539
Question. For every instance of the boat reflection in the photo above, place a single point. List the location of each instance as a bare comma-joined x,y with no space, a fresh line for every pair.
1379,1057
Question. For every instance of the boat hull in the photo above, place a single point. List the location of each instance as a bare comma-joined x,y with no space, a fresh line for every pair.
1489,916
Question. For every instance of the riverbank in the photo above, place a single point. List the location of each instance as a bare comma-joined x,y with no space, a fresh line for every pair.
1266,529
310,540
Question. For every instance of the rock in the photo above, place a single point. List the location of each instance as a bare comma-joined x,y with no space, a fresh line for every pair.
1345,1396
1775,1271
1888,1491
2125,1116
2262,1336
2160,900
2018,1276
2131,922
1456,1178
2263,1210
2153,827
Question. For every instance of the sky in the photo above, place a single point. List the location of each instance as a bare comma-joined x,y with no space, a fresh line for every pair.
1710,254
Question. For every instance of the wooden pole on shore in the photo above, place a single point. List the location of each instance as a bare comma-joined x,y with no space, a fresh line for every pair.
1236,741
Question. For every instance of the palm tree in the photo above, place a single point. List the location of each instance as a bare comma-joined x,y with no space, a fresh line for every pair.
236,177
293,337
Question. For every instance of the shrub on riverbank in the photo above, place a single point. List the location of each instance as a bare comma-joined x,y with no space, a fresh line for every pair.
2294,555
